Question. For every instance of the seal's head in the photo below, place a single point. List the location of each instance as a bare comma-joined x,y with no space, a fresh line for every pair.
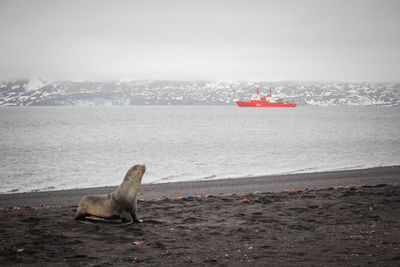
135,173
139,169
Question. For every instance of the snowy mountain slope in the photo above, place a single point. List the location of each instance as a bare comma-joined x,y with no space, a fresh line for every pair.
40,92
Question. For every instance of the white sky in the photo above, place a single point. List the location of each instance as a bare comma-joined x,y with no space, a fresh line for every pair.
341,40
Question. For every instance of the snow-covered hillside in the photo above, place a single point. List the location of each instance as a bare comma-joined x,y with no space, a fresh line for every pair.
40,92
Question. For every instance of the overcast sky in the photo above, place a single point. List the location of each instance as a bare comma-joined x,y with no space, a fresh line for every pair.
192,40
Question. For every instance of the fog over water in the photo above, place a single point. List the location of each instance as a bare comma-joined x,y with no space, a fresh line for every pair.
352,40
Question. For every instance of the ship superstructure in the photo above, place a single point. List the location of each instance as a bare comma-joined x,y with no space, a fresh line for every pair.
265,101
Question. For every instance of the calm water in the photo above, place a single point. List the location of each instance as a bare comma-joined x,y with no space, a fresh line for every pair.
69,147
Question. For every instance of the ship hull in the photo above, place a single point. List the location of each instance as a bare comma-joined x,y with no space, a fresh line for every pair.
255,103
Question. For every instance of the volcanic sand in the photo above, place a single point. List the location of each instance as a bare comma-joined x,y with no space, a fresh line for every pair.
340,225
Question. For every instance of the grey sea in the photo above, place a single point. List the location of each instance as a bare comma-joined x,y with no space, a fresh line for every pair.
50,148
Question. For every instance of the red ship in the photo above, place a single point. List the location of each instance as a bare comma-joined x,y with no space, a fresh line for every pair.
265,101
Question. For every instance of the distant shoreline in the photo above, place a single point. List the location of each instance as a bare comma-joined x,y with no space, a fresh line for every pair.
258,184
208,92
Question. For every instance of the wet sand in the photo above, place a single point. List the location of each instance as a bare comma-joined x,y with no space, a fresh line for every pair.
233,226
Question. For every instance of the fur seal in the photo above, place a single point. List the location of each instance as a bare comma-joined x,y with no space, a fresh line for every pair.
122,203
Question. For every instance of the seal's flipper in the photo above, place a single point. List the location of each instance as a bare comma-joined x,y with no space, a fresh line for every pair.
79,216
134,213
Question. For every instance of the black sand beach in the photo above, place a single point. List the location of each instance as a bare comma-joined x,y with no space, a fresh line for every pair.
316,219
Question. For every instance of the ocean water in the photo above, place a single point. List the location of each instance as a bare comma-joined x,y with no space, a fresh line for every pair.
48,148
